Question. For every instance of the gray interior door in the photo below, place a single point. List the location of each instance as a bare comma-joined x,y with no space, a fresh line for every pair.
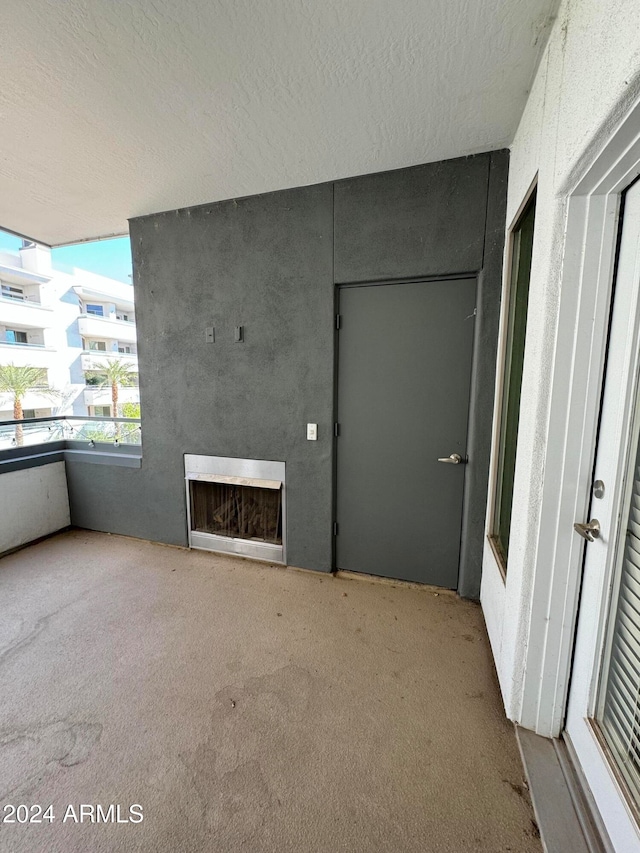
404,371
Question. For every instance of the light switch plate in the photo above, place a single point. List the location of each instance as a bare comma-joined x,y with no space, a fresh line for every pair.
210,335
312,432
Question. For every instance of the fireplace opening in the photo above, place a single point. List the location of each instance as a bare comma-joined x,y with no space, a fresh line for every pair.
237,506
236,511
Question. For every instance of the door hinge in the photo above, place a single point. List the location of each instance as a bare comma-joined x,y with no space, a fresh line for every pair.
338,321
335,528
336,430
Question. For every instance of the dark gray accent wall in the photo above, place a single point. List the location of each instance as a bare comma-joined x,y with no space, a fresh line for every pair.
265,263
485,349
434,220
122,500
424,221
18,458
271,263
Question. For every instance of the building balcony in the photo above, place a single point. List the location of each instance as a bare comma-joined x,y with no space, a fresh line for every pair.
25,355
92,326
388,691
35,398
100,395
21,275
116,440
96,359
98,289
344,715
24,313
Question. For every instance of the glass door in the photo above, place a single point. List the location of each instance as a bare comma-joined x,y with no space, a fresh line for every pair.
603,717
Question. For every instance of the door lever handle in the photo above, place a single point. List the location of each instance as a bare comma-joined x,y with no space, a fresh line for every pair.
590,531
454,459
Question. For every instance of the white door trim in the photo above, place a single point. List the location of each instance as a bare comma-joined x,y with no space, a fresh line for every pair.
615,465
591,230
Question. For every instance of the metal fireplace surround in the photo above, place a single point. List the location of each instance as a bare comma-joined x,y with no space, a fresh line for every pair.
255,473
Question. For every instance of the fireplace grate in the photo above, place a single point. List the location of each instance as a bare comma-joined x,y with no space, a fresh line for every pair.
236,511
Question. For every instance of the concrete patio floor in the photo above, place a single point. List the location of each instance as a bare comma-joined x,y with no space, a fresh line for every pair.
247,707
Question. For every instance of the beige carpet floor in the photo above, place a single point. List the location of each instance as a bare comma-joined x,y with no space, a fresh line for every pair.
245,707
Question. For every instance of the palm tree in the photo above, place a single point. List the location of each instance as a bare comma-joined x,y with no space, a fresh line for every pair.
17,381
118,375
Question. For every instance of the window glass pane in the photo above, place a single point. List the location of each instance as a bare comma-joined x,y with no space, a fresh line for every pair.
619,714
95,309
12,292
94,379
522,246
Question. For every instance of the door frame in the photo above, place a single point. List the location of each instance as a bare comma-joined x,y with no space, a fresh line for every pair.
471,494
593,196
615,457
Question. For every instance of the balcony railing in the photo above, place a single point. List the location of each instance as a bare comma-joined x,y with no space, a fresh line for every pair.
112,318
25,313
21,344
26,355
110,353
95,326
92,431
7,297
97,359
100,395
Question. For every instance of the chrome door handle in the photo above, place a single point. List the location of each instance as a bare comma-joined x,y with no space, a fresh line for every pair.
454,459
590,531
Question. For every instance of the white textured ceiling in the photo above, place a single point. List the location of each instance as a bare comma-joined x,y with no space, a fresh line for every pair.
111,109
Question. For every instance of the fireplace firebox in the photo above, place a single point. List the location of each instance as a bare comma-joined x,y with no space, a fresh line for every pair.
242,512
236,506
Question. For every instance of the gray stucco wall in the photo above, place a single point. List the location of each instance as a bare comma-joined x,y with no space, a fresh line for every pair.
271,263
485,349
425,221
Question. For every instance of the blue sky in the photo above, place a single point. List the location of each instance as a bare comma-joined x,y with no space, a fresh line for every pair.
106,257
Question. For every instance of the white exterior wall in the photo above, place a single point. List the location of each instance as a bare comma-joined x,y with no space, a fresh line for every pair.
33,503
63,338
587,80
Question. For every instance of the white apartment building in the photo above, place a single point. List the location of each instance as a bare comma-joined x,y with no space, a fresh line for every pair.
70,324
